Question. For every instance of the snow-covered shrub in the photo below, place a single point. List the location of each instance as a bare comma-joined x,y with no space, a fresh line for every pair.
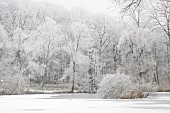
113,86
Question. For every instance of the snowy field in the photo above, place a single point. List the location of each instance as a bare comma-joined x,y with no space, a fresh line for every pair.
82,103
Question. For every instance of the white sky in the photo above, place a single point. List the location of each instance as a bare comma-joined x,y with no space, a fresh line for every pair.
97,6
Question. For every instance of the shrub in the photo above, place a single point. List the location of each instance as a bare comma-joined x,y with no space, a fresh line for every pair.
113,86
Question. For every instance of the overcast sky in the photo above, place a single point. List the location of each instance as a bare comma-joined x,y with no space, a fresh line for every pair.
98,6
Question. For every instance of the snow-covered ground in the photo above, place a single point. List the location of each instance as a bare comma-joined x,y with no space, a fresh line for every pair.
82,103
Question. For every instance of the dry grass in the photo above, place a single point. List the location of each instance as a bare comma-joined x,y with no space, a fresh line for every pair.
163,89
133,95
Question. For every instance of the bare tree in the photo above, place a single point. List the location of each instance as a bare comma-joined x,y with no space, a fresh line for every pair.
73,35
160,13
128,4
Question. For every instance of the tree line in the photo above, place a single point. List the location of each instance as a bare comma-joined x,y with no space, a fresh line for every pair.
45,44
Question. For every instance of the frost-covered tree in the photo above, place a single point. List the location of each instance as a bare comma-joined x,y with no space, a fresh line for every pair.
160,14
104,39
74,34
135,46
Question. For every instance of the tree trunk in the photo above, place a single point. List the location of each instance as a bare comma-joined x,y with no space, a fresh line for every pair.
156,75
168,63
73,78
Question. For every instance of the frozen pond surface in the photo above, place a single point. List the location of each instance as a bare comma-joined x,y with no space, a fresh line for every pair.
82,103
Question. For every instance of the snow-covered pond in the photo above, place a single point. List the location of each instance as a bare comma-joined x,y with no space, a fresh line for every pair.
82,103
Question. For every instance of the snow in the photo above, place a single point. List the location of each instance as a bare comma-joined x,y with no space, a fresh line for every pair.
84,103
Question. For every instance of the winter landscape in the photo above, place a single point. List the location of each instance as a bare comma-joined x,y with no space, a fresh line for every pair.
84,56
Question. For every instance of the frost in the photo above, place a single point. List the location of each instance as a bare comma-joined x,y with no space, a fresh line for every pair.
112,86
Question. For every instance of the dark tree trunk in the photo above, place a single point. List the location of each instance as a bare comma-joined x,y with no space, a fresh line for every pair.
73,78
